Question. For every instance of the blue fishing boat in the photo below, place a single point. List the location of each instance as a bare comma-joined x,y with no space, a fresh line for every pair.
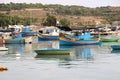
78,43
115,47
64,41
15,39
26,32
52,51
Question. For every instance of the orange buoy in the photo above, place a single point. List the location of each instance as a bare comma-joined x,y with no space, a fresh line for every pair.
3,68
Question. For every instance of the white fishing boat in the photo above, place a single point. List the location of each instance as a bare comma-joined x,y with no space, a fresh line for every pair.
48,33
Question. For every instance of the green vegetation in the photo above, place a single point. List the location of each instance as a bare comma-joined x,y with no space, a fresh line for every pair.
107,13
6,20
49,20
64,22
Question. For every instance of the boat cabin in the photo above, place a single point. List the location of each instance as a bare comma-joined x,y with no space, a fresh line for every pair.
49,30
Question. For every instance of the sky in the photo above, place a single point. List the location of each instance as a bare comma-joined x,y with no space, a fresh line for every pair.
86,3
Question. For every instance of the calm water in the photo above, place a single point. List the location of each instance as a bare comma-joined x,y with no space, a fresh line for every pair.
83,63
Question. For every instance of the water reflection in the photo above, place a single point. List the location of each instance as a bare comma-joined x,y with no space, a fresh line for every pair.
46,44
53,57
77,53
82,53
16,49
3,52
115,51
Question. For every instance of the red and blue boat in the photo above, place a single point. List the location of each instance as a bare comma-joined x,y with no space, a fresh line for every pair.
63,41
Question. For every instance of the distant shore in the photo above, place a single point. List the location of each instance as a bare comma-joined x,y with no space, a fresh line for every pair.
109,32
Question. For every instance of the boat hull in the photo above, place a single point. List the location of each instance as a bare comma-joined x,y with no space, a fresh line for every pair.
52,51
109,40
78,43
47,38
14,41
115,47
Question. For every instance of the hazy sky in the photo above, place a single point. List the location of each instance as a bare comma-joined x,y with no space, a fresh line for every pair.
86,3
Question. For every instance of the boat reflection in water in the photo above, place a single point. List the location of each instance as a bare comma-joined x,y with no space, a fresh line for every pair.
82,53
15,49
53,57
115,51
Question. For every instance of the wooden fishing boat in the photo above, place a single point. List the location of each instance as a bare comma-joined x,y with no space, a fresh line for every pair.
115,47
52,51
64,41
48,33
109,39
15,39
78,43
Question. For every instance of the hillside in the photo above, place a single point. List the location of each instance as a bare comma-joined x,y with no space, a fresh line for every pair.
41,13
77,15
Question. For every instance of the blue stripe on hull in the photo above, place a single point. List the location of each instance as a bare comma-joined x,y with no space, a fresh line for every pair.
24,34
46,38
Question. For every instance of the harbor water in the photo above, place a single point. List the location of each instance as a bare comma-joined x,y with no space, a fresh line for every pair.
91,62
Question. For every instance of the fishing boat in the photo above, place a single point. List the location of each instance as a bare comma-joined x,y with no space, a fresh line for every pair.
27,32
63,41
115,47
52,51
48,33
78,43
109,39
15,38
3,49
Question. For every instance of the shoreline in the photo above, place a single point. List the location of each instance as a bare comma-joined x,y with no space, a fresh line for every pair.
107,33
